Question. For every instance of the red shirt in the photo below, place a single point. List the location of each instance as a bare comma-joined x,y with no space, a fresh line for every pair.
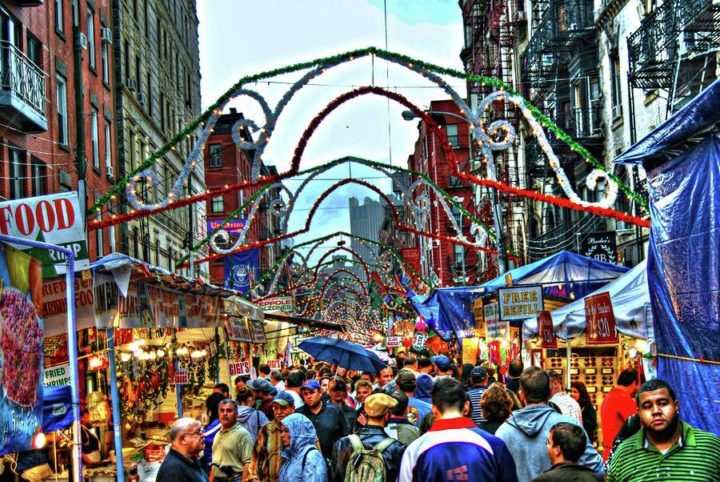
617,407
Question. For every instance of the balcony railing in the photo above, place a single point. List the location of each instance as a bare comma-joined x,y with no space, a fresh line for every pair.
22,85
674,29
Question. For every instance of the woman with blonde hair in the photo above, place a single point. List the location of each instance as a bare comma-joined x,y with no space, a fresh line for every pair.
496,406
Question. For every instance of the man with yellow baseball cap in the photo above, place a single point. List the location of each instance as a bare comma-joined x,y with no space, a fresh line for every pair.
378,408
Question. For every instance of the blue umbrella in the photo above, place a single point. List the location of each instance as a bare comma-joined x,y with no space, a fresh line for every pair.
342,353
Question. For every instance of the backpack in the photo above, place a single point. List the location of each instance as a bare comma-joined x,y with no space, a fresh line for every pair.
367,465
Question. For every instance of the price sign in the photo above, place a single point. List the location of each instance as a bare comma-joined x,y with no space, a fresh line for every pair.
393,341
181,377
546,332
600,319
239,368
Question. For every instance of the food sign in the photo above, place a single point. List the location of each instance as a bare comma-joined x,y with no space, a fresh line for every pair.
520,303
181,376
600,320
55,219
277,303
57,376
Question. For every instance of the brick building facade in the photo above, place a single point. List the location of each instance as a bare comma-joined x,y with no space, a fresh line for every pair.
452,264
39,100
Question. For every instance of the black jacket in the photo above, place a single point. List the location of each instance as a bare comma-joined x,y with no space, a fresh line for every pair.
329,424
178,468
568,472
370,436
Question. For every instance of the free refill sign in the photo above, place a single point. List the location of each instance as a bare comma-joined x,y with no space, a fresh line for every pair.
520,303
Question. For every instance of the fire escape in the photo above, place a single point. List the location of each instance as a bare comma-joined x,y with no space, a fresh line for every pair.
559,74
675,48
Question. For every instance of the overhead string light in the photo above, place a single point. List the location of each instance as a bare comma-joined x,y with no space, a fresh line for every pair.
207,120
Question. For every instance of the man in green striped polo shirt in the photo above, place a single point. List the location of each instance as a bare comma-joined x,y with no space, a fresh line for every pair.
665,448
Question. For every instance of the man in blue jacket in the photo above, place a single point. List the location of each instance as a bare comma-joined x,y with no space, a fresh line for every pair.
455,448
527,430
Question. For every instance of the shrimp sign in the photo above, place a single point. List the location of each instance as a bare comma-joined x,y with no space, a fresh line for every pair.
54,219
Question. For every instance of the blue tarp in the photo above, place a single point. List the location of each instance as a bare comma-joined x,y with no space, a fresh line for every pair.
684,258
686,127
560,275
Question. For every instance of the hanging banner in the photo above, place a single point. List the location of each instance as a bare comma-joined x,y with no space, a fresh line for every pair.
257,331
54,219
21,347
412,256
479,312
234,227
492,317
54,304
112,309
601,246
600,320
237,329
241,270
470,350
277,303
181,377
546,331
520,303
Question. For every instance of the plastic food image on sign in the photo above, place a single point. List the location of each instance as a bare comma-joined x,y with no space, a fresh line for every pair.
22,345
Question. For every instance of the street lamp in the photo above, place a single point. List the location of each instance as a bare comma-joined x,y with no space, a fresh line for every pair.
409,115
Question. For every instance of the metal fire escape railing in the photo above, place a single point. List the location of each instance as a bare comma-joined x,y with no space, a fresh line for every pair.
546,56
675,29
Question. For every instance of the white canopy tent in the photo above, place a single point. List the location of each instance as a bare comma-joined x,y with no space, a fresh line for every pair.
631,305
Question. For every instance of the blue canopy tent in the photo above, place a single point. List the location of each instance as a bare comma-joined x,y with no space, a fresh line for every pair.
561,274
682,161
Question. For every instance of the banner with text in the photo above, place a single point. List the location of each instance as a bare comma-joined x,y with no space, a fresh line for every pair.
600,320
54,219
601,246
277,303
234,227
520,303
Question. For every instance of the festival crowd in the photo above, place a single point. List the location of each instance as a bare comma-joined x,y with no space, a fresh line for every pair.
430,419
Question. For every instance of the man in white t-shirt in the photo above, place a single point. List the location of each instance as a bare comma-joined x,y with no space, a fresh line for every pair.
568,406
295,380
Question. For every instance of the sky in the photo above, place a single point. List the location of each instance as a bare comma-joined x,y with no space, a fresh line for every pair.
241,37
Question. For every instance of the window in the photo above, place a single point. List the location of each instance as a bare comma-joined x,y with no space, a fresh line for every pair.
59,16
34,50
215,155
616,92
105,63
39,174
149,94
162,111
138,76
61,94
459,253
76,13
94,138
91,37
108,148
218,205
452,134
99,241
17,173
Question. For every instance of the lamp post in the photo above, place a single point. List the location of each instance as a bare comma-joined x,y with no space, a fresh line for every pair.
409,115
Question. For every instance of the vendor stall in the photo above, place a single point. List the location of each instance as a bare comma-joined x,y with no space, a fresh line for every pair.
594,338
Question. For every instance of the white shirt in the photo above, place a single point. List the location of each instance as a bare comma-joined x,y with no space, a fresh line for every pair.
297,398
568,406
280,386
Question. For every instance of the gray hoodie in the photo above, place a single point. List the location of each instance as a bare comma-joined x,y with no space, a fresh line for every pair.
251,420
525,433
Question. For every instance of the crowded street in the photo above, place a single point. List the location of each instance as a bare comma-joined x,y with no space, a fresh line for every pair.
359,241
